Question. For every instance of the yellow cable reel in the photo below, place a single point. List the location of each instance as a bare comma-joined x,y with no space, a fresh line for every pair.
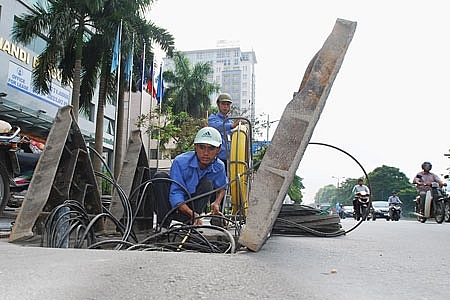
238,167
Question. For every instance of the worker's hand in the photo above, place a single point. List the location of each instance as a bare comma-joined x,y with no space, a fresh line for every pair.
242,122
197,221
215,208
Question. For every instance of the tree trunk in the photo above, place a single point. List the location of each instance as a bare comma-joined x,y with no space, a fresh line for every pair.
119,134
77,72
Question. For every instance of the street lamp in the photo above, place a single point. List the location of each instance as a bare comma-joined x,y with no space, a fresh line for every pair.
268,126
338,178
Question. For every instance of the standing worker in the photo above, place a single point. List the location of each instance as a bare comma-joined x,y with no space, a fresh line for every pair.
223,124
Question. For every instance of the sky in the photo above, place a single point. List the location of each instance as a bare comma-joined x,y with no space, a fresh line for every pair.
389,103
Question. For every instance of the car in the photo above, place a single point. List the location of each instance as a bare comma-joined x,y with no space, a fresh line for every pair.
348,211
379,210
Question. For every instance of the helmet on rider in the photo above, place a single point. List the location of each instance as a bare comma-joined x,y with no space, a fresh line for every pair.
425,164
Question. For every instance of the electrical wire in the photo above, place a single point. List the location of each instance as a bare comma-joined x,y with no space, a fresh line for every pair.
69,224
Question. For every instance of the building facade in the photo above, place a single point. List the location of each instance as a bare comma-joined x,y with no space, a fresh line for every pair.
33,112
233,70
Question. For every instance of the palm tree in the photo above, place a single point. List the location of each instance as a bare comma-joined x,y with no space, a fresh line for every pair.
133,26
64,24
74,27
189,90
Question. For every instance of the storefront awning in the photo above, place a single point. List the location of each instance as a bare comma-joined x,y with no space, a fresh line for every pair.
30,121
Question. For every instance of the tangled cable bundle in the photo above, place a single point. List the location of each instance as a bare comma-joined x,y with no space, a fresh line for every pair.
70,226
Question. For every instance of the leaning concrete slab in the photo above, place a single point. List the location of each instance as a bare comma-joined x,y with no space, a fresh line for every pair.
292,135
64,172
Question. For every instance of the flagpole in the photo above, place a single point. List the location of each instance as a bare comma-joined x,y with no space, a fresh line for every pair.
117,99
153,86
151,107
160,88
141,102
129,89
142,77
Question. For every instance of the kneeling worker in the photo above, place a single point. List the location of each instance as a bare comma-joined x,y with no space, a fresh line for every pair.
199,172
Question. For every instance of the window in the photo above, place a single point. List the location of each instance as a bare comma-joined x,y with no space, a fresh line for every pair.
108,126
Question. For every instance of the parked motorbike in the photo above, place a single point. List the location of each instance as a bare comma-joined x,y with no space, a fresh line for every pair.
363,200
446,201
395,211
18,159
434,204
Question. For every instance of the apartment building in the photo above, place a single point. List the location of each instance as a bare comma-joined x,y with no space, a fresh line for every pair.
233,69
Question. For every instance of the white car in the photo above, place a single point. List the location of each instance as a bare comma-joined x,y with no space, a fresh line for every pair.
380,209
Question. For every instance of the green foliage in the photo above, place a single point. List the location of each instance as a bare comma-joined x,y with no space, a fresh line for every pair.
106,185
295,190
385,179
327,195
257,157
382,181
179,129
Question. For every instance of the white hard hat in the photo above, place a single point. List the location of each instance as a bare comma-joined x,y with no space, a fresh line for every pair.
208,135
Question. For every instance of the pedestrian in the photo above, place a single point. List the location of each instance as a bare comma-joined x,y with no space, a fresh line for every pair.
194,173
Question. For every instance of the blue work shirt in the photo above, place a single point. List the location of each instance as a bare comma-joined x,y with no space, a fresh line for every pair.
218,121
186,171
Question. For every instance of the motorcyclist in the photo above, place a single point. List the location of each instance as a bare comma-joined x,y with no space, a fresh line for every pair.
393,200
423,182
360,187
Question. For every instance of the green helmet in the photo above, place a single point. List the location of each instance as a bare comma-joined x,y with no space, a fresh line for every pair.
224,97
208,135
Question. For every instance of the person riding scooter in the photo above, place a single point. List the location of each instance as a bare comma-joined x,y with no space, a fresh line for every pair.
393,200
423,182
359,190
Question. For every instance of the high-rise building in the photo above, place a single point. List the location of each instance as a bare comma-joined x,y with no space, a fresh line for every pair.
233,70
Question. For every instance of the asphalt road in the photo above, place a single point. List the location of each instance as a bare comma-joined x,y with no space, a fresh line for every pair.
377,260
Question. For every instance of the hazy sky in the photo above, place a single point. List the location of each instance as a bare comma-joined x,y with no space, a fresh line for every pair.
389,104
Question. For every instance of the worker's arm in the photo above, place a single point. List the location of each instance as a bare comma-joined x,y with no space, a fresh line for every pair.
186,210
215,206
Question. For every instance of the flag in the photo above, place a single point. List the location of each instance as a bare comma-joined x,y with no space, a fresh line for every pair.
116,49
129,65
150,87
160,87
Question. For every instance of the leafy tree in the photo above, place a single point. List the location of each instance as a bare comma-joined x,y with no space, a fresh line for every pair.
383,180
64,24
386,179
188,88
178,128
326,195
295,190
